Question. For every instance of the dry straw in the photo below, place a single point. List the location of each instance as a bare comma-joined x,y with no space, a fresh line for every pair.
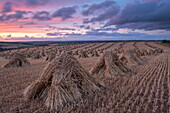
17,61
36,56
83,54
51,57
76,52
131,57
63,82
42,53
109,65
95,54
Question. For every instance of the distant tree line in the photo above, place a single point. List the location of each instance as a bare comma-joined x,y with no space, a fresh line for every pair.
165,41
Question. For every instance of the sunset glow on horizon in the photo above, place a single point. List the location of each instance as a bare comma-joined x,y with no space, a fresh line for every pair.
84,19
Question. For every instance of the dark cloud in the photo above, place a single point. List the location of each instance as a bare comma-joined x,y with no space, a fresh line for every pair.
43,15
7,7
146,15
73,34
81,26
99,33
16,16
65,12
2,18
151,0
104,16
63,29
51,27
146,26
84,26
66,34
9,35
98,8
87,27
105,29
26,36
30,23
72,29
105,10
114,34
85,6
36,2
53,34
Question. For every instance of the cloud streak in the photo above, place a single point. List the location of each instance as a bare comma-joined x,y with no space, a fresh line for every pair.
7,7
36,2
105,11
43,15
65,12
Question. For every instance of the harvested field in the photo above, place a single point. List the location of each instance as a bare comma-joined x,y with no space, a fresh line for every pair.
142,45
146,89
128,46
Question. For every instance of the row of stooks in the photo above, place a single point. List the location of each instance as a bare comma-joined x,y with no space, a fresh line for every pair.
64,81
43,51
81,53
41,54
128,57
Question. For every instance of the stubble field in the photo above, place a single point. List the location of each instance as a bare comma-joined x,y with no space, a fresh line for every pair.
145,90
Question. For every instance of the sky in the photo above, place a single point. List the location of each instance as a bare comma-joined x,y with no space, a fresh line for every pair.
69,20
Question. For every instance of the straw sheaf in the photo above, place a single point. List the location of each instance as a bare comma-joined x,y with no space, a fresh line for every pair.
63,82
109,65
17,61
